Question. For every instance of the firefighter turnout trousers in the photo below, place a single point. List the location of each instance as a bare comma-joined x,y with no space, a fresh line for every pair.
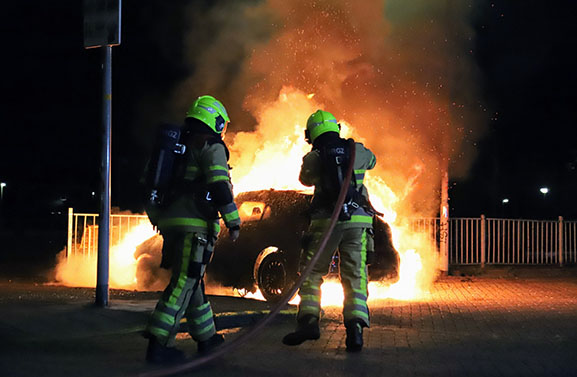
184,295
352,244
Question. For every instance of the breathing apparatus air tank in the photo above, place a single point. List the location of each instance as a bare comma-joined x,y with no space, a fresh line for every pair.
162,164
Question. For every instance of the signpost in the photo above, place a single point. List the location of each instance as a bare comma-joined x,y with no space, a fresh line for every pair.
102,29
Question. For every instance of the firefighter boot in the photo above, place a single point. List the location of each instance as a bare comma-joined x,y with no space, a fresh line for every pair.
307,329
354,339
211,343
157,353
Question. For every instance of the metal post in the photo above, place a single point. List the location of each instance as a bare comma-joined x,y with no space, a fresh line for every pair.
444,236
483,243
104,223
560,247
70,220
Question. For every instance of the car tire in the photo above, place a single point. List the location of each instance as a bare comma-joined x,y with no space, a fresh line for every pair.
272,277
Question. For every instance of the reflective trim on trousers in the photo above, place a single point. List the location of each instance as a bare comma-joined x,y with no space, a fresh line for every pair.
201,322
201,314
359,296
166,308
356,308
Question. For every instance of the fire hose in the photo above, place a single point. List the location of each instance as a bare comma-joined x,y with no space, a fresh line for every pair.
195,363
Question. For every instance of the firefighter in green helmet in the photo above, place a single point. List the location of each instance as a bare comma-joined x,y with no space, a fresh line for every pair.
198,191
324,167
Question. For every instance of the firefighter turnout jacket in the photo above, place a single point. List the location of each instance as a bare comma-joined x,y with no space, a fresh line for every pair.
204,189
188,222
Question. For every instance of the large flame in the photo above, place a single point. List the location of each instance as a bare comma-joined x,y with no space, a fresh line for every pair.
396,76
270,157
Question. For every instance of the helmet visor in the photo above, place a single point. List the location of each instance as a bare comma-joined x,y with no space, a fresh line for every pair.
225,127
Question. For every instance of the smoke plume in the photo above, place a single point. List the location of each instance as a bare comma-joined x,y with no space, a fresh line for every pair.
399,73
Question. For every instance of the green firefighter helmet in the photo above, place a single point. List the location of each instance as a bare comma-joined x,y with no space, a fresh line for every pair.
320,122
211,112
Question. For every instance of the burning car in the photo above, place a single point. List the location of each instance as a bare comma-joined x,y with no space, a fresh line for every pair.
266,256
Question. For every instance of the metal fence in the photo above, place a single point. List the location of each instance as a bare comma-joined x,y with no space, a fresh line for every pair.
476,241
492,241
512,241
83,230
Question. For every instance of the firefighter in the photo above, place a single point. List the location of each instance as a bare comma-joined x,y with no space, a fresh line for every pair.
325,168
188,221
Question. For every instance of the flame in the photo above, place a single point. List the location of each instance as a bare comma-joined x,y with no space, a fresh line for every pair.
80,269
270,157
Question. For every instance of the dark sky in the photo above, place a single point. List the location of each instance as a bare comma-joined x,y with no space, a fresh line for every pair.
51,111
527,54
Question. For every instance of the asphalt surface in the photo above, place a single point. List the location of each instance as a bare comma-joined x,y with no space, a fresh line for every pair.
466,326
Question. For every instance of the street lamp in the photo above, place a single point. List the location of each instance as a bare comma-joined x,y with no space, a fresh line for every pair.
544,190
2,185
505,201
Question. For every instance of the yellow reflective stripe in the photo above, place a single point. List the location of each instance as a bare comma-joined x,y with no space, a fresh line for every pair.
218,167
183,275
191,172
163,317
158,332
359,176
200,320
360,314
217,178
231,216
364,263
373,162
204,330
360,219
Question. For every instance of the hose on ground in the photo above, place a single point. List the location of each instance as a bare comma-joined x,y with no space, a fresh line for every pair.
227,347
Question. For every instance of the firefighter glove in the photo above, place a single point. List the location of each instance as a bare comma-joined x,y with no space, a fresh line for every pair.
233,233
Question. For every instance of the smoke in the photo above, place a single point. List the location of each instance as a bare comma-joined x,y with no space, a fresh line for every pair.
399,73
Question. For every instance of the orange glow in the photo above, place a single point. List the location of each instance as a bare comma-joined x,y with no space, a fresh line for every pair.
390,75
79,269
270,157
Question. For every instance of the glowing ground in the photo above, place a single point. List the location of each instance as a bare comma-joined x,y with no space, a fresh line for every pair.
486,326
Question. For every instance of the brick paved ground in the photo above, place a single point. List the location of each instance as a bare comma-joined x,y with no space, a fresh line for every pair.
465,327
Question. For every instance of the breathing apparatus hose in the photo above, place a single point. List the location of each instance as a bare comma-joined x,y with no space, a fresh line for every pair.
226,347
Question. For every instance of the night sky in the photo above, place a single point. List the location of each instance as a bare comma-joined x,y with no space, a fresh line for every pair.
51,111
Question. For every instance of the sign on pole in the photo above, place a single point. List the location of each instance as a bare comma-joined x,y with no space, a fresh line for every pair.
101,23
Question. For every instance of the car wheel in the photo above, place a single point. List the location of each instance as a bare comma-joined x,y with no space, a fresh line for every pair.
271,276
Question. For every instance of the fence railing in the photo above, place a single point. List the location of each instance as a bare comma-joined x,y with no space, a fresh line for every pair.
476,241
493,241
83,230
